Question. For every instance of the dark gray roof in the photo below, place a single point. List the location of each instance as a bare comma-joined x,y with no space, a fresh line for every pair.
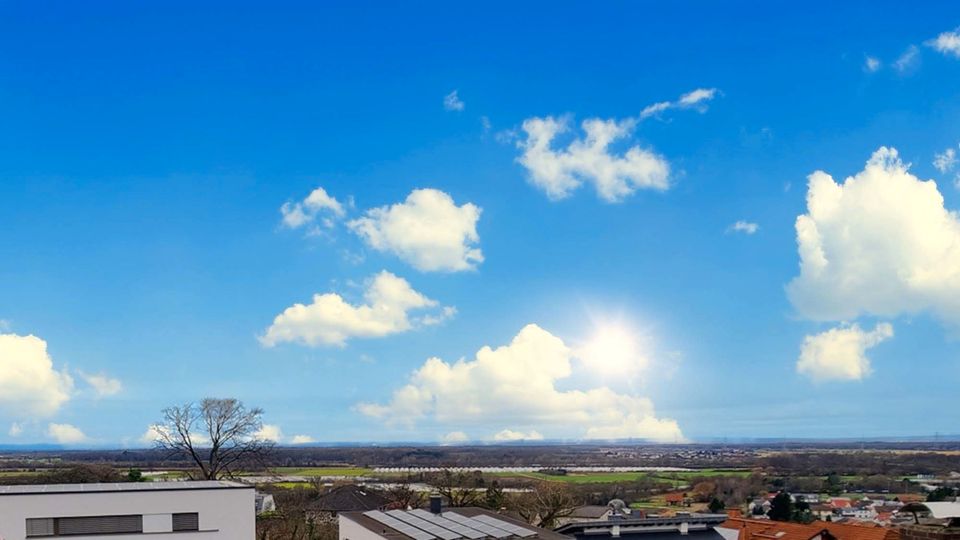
49,489
350,498
386,531
647,526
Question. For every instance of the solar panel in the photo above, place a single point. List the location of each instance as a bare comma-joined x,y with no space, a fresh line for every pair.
421,523
472,534
479,525
396,524
515,529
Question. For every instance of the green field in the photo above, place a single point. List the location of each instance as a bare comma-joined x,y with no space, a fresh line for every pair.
19,473
323,471
674,478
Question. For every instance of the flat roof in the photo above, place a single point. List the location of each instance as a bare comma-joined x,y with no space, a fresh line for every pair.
51,489
432,531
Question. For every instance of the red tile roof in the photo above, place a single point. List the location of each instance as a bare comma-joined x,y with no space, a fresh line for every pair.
763,529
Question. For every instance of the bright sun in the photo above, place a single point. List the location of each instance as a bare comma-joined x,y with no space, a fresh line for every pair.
614,350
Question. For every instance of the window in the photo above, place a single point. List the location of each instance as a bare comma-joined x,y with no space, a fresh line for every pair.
186,522
39,527
69,526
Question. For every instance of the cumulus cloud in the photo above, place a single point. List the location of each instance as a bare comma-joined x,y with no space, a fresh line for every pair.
452,102
511,435
306,212
871,64
840,353
65,434
558,172
695,99
302,439
881,243
745,227
428,230
269,432
29,384
102,384
945,161
947,43
155,431
454,437
16,429
331,320
518,383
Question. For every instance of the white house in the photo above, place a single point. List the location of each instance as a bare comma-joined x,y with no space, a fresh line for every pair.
211,510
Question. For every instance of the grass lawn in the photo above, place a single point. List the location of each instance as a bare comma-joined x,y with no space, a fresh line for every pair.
19,473
291,485
323,471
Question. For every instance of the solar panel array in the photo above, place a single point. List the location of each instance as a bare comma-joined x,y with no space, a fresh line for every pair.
423,525
395,523
464,531
480,526
510,527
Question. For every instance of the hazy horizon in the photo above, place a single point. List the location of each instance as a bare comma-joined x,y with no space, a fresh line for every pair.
674,222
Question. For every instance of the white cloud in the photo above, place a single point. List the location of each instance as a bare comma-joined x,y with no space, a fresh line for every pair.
428,230
454,437
745,227
517,383
452,102
299,214
589,159
906,61
485,124
871,64
330,320
65,434
511,435
269,432
947,43
102,384
16,429
881,243
302,439
840,353
29,384
946,161
655,109
153,433
695,99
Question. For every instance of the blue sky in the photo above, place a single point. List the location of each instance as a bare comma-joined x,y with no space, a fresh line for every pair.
146,154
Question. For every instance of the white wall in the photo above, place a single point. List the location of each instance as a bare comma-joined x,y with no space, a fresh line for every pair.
351,530
225,514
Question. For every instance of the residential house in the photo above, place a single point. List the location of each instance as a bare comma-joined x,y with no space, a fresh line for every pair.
693,526
347,498
763,529
438,524
207,510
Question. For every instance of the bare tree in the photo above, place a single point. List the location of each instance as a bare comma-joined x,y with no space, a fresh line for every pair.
459,489
547,502
218,435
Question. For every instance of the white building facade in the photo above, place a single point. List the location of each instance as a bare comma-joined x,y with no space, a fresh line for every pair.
212,510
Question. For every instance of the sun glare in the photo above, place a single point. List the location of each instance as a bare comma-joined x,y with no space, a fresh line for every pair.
614,350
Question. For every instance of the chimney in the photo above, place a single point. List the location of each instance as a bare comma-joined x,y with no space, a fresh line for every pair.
436,504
